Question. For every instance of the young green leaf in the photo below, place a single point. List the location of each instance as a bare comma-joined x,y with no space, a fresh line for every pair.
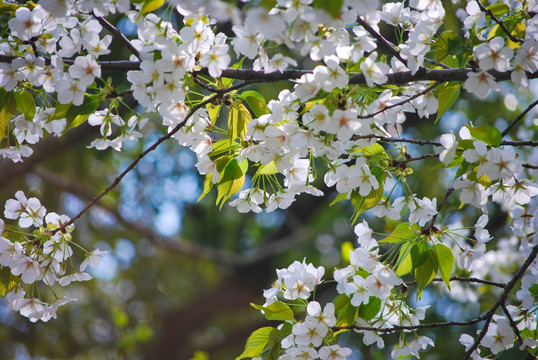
238,119
232,180
446,260
446,96
368,311
402,232
256,342
426,272
25,104
276,311
256,102
488,134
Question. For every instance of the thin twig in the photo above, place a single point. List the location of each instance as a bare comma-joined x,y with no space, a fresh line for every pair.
202,84
470,280
148,150
529,166
521,116
512,322
403,102
502,299
520,143
439,207
386,44
395,140
107,25
499,22
425,156
411,327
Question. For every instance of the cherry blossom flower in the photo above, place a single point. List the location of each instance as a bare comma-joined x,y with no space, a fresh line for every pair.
480,83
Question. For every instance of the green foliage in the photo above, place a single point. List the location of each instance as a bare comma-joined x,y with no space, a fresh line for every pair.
446,260
255,101
257,342
333,7
9,106
370,310
402,233
276,311
488,134
231,180
238,119
447,95
426,272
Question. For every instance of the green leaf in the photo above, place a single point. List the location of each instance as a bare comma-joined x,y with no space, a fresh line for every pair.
276,311
339,197
256,342
213,111
445,259
404,264
362,204
9,106
200,355
534,290
256,102
426,272
370,310
420,253
333,7
446,96
238,119
448,43
345,312
498,9
226,82
345,249
267,169
208,185
268,4
488,134
402,232
231,180
221,147
25,104
151,5
273,348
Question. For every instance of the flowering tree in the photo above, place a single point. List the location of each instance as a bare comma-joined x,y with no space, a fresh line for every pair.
339,120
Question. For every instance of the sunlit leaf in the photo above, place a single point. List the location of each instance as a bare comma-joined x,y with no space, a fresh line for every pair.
256,342
445,259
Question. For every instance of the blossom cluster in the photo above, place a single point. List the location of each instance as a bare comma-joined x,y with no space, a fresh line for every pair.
40,257
341,122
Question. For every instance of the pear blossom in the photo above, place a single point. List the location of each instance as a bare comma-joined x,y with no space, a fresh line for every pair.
374,72
493,54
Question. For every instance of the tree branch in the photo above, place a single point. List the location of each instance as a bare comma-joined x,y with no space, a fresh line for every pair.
470,280
386,44
403,102
411,327
499,22
399,78
148,150
115,32
521,116
502,299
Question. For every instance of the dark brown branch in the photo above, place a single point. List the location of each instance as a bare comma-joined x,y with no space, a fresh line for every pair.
470,280
177,245
521,116
502,299
520,143
530,166
425,156
148,150
399,78
403,102
499,22
115,32
386,44
395,140
412,327
439,207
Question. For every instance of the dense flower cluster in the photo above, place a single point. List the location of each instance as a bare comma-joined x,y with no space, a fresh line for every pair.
341,122
42,256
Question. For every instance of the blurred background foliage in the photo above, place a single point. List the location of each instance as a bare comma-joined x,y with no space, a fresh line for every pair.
180,274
